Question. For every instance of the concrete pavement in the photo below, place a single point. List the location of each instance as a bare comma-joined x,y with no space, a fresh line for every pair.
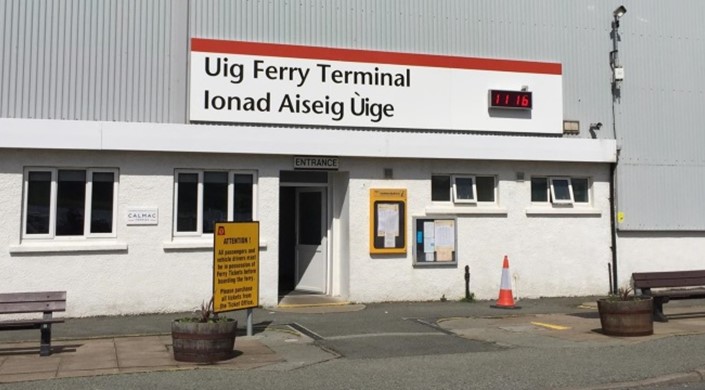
127,344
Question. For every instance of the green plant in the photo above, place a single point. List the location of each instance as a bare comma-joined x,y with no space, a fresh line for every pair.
469,298
623,294
205,314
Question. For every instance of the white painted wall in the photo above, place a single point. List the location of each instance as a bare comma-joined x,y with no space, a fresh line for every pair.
554,254
146,277
658,251
563,254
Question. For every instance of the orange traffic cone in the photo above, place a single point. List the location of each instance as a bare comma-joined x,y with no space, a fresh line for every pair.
506,297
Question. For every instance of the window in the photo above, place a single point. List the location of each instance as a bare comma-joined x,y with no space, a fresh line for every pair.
206,197
463,188
560,190
69,202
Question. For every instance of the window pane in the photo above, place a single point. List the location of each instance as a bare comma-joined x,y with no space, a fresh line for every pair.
38,202
242,204
561,189
539,189
440,188
215,199
70,203
485,188
102,199
463,188
580,190
186,208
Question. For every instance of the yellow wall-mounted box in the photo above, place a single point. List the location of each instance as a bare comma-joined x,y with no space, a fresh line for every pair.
387,220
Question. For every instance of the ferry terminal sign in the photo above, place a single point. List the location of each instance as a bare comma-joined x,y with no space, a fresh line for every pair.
250,82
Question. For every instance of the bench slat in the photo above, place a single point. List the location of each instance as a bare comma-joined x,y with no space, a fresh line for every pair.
33,296
9,324
32,307
669,279
660,283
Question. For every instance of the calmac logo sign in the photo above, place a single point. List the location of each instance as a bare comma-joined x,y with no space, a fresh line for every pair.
246,82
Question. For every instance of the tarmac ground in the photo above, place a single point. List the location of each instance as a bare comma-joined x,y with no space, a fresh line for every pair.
293,336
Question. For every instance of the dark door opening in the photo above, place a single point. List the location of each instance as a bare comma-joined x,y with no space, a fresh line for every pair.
287,240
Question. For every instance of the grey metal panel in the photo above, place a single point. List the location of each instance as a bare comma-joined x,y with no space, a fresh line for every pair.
661,49
658,118
661,197
126,60
88,60
573,33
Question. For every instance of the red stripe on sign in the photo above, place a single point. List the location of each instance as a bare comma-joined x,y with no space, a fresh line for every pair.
369,56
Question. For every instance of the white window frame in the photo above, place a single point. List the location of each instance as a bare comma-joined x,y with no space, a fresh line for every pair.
588,183
54,199
552,184
199,201
454,185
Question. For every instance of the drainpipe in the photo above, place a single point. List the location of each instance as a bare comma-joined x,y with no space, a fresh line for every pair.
613,223
617,77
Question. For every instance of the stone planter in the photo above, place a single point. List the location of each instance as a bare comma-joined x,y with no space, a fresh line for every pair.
199,342
633,317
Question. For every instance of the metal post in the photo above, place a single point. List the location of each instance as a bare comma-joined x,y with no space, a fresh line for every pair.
249,322
467,282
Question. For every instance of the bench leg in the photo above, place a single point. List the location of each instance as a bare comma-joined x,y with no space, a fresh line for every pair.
45,344
658,310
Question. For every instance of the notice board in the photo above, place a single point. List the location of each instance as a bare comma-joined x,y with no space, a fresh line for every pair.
435,241
387,220
235,266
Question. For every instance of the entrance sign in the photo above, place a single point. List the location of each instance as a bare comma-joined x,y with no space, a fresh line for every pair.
316,163
235,266
250,82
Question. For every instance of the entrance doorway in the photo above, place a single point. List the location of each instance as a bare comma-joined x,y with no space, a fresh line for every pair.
303,233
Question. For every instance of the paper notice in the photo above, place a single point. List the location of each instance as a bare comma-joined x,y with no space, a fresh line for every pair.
445,235
387,219
444,255
390,240
429,242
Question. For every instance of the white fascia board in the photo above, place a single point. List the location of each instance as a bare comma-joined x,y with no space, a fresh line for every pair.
49,134
280,140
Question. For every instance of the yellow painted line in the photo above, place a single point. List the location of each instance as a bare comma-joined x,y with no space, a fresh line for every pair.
551,326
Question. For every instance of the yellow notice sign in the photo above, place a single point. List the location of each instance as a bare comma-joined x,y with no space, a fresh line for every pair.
235,266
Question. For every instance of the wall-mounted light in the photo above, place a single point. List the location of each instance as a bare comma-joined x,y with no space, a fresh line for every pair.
619,12
571,127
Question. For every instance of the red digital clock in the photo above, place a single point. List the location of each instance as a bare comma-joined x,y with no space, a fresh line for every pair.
519,100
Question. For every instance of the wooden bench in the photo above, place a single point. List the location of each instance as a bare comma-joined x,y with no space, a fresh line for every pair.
670,285
45,302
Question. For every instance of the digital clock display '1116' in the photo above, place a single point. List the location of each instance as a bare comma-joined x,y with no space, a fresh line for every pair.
520,100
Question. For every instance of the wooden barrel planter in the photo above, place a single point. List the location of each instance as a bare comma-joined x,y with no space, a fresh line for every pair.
628,318
200,342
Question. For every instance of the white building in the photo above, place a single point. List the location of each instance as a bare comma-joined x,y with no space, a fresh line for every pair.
128,128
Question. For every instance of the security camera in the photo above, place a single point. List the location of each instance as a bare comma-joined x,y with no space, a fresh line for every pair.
596,126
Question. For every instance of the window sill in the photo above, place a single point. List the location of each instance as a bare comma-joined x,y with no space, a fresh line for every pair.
196,244
56,246
465,210
563,211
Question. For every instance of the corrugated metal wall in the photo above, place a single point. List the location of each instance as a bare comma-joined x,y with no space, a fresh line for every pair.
109,60
126,60
659,125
